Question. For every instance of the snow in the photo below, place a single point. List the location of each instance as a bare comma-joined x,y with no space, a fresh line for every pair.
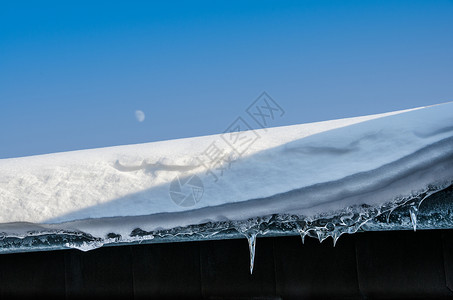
302,169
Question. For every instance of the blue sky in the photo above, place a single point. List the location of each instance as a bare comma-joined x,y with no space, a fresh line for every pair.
73,73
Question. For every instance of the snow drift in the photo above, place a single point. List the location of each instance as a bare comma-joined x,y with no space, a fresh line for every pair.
346,171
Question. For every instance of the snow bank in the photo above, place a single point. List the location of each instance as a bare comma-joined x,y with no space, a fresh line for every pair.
307,169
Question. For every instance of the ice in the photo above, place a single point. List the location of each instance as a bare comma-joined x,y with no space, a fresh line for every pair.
413,210
302,233
319,180
251,238
85,246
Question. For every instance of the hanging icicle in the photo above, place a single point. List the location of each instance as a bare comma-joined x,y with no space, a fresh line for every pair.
335,238
303,234
251,238
413,210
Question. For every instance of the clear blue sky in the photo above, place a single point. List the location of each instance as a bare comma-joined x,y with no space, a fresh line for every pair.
73,73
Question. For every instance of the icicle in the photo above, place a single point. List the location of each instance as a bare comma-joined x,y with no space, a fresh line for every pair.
413,210
303,234
335,238
319,234
301,229
251,238
322,233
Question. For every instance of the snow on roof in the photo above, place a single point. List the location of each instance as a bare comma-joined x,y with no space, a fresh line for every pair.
301,169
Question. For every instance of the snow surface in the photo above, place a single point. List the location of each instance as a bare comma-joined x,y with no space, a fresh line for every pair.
302,169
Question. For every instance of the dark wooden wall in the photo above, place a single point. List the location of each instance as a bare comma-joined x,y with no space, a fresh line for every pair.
379,265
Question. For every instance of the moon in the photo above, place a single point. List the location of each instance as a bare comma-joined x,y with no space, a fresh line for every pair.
140,115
